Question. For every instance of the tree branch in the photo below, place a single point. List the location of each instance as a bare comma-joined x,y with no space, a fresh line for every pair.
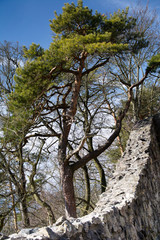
80,146
95,67
77,149
84,160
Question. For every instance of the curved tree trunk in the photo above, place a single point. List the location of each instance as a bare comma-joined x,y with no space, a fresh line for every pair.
48,208
101,174
98,166
88,190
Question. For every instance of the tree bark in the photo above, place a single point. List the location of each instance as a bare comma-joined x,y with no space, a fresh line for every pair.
66,170
51,217
88,190
24,212
68,190
22,191
98,166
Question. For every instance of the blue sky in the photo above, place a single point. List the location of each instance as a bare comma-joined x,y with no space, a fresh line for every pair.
27,21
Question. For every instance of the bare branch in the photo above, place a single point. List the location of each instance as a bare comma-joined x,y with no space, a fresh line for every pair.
80,146
116,132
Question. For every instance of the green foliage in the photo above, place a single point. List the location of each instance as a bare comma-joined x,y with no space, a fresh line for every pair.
15,127
79,31
30,80
76,19
69,50
119,21
33,52
154,63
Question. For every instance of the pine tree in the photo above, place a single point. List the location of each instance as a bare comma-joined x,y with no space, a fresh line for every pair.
48,85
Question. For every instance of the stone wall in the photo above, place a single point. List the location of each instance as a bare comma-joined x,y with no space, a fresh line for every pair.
130,207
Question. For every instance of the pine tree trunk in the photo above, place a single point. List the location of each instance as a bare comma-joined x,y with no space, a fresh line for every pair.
68,191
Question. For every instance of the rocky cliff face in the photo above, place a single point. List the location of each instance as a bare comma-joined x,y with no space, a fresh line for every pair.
130,207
